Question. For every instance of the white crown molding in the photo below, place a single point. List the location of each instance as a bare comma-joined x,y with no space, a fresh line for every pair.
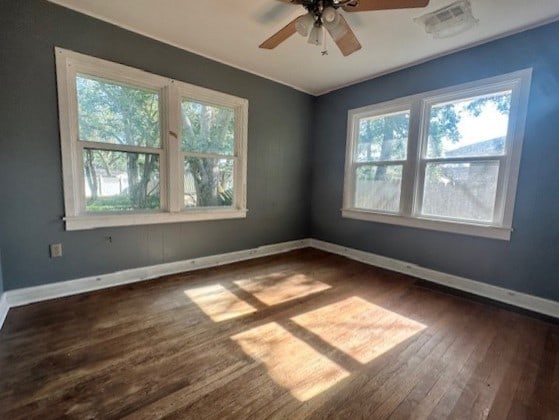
19,297
167,41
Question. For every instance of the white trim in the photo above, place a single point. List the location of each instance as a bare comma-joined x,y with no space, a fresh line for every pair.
414,167
134,219
171,92
239,156
510,297
484,231
25,296
4,308
34,294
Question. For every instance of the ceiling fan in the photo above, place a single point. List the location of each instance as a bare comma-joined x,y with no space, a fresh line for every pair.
324,14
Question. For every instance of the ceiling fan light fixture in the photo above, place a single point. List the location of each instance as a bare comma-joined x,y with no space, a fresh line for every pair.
329,15
304,24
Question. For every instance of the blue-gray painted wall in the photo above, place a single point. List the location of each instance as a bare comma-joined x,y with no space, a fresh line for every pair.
1,277
530,261
31,208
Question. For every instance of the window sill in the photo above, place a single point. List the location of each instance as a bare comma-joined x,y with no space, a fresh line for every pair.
134,219
485,231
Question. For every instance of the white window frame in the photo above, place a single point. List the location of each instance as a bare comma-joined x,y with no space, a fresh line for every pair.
414,167
171,158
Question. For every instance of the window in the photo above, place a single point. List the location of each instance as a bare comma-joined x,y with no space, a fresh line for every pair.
138,148
445,160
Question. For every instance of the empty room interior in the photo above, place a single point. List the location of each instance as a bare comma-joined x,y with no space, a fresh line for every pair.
279,209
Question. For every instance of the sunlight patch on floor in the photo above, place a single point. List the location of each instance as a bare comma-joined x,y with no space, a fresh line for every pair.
290,362
359,328
219,303
272,291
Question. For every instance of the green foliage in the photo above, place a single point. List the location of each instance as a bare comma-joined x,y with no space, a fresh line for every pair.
115,113
501,101
119,114
119,203
443,125
209,129
383,138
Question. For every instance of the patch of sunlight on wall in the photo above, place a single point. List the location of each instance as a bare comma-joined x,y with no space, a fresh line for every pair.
272,291
290,362
359,328
219,303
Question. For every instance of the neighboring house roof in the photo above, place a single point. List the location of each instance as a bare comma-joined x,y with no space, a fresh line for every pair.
484,148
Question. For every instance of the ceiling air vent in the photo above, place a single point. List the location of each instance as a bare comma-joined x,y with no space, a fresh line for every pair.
450,20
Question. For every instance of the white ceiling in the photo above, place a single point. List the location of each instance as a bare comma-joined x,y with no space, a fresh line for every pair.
230,32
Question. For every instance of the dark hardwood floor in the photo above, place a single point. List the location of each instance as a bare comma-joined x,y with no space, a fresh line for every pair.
300,335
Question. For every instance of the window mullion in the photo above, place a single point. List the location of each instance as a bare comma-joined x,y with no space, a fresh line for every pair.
410,165
424,112
419,187
174,156
240,167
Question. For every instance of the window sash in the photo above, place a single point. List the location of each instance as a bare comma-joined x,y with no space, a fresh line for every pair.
414,168
420,192
358,165
171,166
236,178
129,149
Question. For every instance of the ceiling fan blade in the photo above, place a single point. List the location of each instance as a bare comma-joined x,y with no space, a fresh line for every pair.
279,36
292,1
368,5
348,42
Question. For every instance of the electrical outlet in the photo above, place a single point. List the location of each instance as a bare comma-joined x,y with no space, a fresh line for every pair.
55,250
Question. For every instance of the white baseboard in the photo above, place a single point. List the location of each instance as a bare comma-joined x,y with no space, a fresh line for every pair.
521,300
18,297
4,308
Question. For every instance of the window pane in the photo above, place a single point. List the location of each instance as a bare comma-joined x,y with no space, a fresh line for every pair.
378,188
208,182
383,137
461,190
119,181
469,127
109,112
207,128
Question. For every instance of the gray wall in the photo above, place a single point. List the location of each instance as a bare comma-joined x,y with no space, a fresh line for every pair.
1,277
30,169
527,263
